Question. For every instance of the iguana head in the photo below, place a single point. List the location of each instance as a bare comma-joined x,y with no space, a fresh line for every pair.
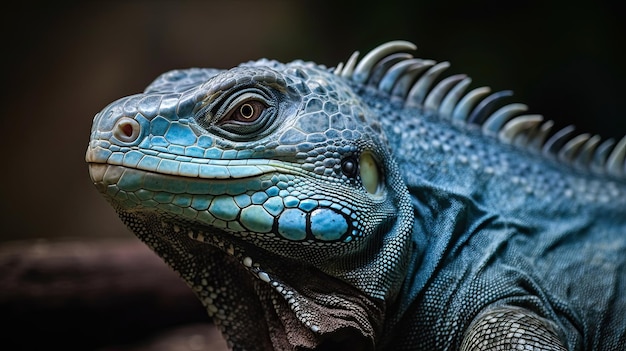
270,188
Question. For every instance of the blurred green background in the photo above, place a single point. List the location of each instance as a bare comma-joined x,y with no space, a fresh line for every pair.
64,61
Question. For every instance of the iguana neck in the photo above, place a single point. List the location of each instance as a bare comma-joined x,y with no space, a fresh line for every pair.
436,154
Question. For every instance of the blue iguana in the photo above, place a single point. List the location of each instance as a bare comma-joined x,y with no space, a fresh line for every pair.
371,206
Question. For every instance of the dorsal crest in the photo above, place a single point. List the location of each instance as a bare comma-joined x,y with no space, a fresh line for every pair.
415,83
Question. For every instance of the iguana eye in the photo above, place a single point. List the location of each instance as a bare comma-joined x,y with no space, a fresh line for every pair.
244,115
246,112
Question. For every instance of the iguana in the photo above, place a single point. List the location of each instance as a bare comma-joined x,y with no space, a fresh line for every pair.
371,206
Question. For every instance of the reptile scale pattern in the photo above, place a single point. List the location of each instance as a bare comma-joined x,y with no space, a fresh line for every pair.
371,206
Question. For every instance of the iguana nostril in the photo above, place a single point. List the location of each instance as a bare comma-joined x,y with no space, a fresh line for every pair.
126,130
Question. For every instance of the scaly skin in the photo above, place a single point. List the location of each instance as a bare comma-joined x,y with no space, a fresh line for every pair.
370,206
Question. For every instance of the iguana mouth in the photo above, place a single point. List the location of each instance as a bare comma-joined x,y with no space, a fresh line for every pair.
133,178
186,167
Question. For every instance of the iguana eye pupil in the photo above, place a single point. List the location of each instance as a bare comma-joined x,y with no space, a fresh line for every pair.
248,111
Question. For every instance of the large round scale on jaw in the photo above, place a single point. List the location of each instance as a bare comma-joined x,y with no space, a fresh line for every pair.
368,170
292,224
328,225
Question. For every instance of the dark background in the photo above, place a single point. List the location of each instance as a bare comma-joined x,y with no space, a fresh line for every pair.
63,61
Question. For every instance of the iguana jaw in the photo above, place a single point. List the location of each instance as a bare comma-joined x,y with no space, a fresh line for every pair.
288,212
323,315
309,308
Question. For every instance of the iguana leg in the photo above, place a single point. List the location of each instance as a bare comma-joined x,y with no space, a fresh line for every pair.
511,328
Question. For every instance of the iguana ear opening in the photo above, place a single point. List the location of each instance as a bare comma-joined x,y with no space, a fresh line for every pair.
367,168
370,173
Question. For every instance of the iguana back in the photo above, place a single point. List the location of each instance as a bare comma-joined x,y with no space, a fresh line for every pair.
371,206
